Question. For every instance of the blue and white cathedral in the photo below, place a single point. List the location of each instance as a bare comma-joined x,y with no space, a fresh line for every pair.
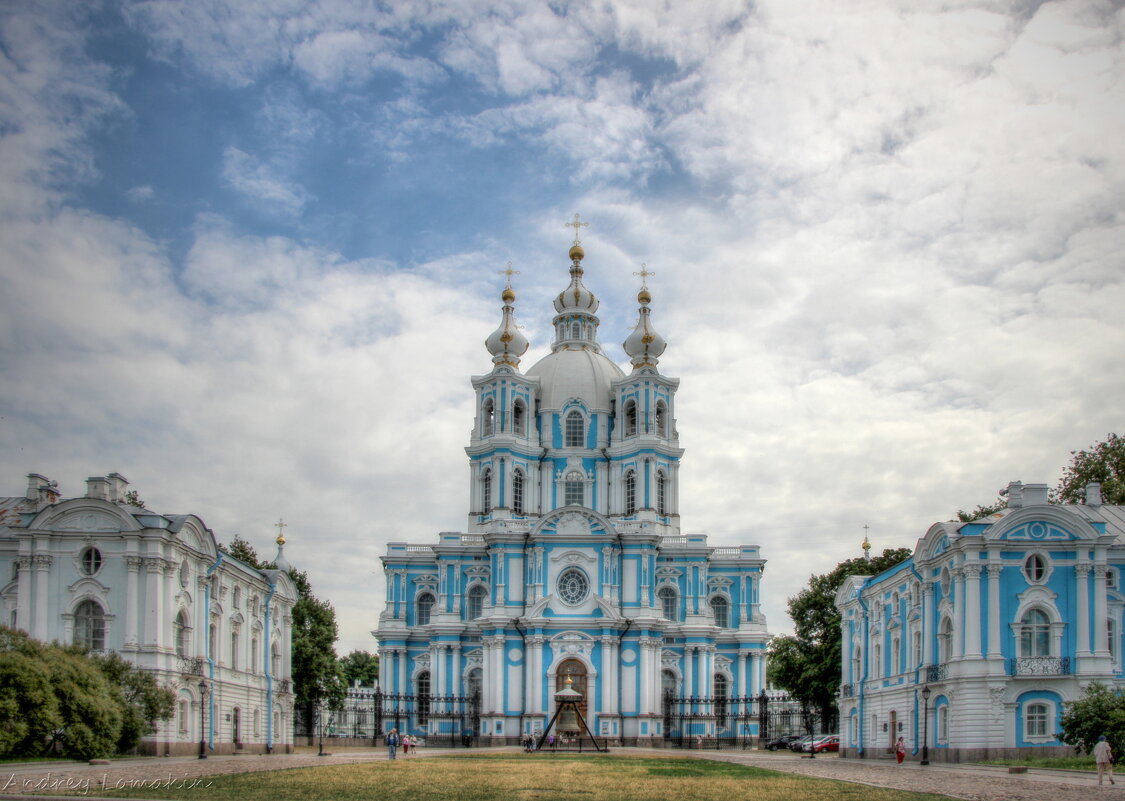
574,566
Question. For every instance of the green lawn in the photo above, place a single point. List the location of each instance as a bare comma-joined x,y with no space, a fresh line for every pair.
540,777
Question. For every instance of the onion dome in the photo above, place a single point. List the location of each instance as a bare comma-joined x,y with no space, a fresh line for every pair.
576,297
279,561
507,343
644,345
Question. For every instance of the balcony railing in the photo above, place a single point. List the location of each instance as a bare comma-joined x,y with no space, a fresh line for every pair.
936,672
283,686
192,666
1039,666
847,690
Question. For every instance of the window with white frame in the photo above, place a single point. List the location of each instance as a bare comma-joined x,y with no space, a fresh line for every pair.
857,664
1111,579
630,418
876,661
896,648
184,716
1035,633
181,633
661,493
91,561
517,491
661,419
575,430
945,640
1114,644
477,594
721,611
574,489
423,692
519,418
943,723
630,492
668,602
721,692
1035,568
1036,718
916,648
89,626
422,608
488,417
486,491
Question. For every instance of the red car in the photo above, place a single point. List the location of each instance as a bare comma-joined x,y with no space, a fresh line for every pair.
829,742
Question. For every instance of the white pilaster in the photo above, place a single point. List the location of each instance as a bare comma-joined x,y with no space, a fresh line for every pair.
972,611
1082,575
994,572
1101,613
42,585
132,636
23,594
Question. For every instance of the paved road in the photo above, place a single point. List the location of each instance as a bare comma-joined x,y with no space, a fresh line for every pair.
976,783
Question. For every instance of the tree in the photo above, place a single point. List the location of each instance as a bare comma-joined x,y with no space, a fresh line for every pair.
142,700
1104,463
361,666
29,712
243,551
807,663
317,675
982,511
1099,711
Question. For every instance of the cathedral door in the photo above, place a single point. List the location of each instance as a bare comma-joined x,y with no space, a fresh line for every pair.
577,673
894,730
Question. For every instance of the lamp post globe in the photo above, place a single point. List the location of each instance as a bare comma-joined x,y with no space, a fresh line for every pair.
202,723
925,725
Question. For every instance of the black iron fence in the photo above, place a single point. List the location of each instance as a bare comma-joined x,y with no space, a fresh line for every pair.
746,722
445,721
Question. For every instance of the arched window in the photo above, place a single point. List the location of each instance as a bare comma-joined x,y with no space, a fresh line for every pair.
422,692
661,419
1035,633
575,331
630,492
574,490
423,606
916,651
896,649
517,492
254,654
181,633
669,602
89,626
237,597
661,494
857,666
519,418
943,723
1035,719
234,649
477,594
575,429
487,417
275,659
721,610
722,693
668,682
630,418
486,491
473,682
945,640
876,661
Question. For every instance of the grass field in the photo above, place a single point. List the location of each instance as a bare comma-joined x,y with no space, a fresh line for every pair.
534,778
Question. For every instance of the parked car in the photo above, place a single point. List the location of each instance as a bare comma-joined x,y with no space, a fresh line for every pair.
800,743
827,742
782,742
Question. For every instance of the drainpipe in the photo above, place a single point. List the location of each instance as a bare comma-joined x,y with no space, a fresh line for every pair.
269,671
210,656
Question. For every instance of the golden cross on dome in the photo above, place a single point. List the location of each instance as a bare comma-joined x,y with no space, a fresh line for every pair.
509,272
644,273
576,224
280,524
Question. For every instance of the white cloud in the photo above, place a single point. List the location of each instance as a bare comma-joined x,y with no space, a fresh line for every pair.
262,183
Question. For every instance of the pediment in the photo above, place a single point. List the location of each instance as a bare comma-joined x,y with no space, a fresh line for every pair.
573,522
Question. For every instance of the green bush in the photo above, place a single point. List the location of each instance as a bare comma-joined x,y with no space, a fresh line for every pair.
1099,711
29,711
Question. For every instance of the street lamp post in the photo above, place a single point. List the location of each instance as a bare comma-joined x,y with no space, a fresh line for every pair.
925,724
320,720
202,709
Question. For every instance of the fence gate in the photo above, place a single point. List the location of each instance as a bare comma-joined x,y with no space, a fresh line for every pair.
746,722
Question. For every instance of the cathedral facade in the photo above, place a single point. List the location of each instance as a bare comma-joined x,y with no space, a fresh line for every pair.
573,570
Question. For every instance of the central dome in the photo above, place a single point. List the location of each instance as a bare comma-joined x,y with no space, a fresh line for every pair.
575,373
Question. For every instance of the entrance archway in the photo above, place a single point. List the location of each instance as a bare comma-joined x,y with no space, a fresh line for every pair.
894,730
576,671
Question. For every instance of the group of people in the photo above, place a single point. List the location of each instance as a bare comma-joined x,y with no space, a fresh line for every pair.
394,740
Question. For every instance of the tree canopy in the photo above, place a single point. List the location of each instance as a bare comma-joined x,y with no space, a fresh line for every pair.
1100,710
1104,462
807,663
361,666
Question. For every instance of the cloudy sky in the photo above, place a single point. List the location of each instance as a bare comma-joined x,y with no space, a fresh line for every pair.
250,252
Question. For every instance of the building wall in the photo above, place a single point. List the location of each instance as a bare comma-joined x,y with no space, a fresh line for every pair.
163,597
1003,620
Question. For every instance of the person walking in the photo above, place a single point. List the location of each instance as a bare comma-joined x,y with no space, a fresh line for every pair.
1103,755
900,750
392,743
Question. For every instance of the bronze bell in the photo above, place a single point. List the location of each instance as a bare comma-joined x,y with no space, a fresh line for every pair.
568,720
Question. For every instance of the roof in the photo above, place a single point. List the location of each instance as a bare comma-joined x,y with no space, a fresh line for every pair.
575,372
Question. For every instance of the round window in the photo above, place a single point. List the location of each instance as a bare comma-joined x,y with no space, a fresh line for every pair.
91,560
573,586
1036,567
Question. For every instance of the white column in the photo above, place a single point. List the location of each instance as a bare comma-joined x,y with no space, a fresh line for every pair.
760,673
154,602
498,678
604,674
403,688
1082,572
1101,614
23,594
928,626
959,614
742,667
689,670
133,565
42,585
170,583
994,572
972,610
